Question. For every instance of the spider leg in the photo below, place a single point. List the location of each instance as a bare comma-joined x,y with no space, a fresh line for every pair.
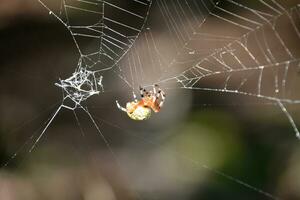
155,94
154,89
143,92
158,97
157,90
120,107
134,97
163,97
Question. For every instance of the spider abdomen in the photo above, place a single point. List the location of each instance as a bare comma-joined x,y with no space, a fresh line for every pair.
139,113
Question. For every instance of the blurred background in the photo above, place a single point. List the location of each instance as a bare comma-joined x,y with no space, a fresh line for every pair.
181,153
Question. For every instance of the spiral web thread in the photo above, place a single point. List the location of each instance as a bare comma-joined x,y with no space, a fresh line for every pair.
258,59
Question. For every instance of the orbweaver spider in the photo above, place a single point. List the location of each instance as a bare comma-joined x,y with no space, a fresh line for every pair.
141,109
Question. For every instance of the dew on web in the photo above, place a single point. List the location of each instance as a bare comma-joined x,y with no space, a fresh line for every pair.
224,47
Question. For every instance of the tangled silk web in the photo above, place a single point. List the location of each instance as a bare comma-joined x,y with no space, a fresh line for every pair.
255,53
259,50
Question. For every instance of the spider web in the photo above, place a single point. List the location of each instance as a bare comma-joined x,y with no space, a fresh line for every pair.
110,28
250,56
255,53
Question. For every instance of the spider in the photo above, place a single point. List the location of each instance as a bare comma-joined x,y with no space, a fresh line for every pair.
141,109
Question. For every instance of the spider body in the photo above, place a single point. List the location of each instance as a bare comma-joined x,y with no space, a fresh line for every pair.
138,112
142,109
